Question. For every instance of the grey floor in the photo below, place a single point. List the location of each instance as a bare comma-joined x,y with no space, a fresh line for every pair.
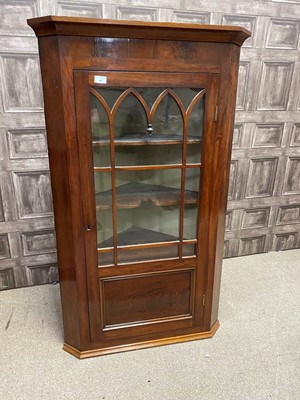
254,355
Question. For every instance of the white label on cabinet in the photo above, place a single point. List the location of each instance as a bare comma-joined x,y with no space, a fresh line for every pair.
100,79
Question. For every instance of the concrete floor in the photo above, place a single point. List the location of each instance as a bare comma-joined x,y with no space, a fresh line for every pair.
254,355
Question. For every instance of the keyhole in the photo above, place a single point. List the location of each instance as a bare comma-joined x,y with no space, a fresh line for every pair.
88,227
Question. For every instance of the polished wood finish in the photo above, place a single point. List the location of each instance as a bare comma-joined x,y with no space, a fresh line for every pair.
140,302
147,298
54,25
132,194
142,345
138,140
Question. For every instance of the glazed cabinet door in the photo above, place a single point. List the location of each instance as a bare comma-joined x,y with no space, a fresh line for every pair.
146,144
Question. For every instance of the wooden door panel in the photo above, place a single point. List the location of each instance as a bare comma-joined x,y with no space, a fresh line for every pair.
145,298
130,300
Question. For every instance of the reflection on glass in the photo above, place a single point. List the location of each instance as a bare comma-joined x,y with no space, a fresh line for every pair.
186,95
103,208
110,94
148,155
168,119
195,122
191,207
150,94
130,119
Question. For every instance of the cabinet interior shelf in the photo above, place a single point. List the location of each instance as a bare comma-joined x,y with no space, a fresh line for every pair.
136,235
141,140
131,195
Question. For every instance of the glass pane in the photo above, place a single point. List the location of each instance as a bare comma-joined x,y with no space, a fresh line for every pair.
148,205
154,253
99,120
193,153
103,208
188,250
168,120
149,94
110,94
191,203
101,155
148,154
106,258
130,120
104,228
186,95
195,123
148,201
100,133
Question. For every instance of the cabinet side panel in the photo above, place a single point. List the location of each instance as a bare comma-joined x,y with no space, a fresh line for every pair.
65,186
227,99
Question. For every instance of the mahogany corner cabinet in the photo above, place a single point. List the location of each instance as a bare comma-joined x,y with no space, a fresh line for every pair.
139,120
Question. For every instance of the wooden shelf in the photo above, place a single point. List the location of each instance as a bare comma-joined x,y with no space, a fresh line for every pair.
137,235
131,195
143,140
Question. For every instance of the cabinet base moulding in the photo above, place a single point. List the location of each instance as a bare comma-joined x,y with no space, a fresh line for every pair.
141,345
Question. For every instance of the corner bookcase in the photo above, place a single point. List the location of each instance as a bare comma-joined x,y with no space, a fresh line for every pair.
139,120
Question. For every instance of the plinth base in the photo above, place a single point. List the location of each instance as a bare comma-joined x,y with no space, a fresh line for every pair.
141,345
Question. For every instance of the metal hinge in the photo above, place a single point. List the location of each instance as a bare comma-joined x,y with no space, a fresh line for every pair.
216,114
203,300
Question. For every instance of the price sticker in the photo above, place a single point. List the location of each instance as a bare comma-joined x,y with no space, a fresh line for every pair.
100,79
